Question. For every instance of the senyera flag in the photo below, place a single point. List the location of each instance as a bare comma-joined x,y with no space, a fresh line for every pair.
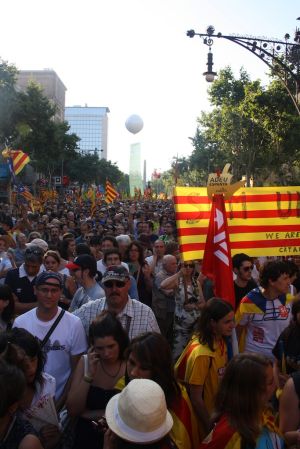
217,264
18,158
110,192
262,221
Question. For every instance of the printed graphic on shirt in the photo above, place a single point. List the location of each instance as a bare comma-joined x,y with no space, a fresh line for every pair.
55,346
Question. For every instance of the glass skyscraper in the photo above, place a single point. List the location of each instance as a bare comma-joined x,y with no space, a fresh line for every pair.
90,124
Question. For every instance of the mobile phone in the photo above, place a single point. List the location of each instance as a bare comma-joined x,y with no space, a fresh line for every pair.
101,424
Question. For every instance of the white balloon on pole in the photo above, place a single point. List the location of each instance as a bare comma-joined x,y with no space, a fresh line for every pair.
134,124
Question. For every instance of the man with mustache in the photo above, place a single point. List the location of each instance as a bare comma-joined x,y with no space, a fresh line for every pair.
135,317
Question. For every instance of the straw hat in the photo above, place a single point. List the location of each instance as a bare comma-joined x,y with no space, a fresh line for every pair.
139,413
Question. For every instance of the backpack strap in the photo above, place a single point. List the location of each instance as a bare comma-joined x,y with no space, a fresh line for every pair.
50,331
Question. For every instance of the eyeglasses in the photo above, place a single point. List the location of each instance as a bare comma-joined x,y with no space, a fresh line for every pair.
37,252
246,269
46,291
189,265
118,284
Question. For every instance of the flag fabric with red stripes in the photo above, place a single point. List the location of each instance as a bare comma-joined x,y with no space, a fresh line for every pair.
110,192
217,264
18,157
262,221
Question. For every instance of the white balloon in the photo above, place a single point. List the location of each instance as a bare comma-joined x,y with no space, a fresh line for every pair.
134,124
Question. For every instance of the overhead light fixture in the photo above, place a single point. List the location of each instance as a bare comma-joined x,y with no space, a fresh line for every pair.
210,74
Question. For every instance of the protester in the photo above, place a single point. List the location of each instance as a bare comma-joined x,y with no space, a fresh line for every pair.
189,301
163,297
149,357
67,249
113,257
169,232
138,417
22,349
66,342
21,280
287,348
123,241
7,308
84,270
201,365
155,261
52,262
141,271
16,433
95,377
289,412
265,312
135,316
241,416
19,251
242,267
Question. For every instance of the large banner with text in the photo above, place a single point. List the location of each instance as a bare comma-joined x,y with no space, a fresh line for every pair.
263,221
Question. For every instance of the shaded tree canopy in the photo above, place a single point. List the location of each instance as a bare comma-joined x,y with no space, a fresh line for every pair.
255,128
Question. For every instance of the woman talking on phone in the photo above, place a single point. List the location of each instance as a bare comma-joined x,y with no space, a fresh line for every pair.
95,377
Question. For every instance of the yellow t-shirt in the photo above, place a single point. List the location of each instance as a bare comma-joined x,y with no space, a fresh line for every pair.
199,365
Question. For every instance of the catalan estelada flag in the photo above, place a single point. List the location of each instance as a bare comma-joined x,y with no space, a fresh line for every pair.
262,221
19,159
110,192
25,192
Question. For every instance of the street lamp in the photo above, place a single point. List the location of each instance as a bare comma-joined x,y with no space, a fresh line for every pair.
282,57
210,74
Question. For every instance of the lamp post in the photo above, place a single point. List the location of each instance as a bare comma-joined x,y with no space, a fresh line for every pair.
282,57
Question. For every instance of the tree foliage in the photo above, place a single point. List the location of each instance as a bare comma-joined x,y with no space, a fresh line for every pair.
255,128
27,121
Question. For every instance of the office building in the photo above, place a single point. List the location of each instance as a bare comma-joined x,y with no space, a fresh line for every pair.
90,124
53,87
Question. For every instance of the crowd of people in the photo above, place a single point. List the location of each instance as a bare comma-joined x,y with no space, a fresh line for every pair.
109,339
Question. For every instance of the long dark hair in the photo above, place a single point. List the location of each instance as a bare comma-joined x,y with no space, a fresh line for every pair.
107,325
215,309
153,351
6,295
12,386
17,338
240,395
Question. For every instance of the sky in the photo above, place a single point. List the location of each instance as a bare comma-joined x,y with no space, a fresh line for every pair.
134,57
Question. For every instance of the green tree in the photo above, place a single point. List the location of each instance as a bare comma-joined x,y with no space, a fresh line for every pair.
88,169
254,128
8,102
27,121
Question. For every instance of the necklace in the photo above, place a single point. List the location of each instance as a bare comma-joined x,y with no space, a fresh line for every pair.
107,373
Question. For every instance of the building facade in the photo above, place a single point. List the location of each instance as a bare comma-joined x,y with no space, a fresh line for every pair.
53,88
91,125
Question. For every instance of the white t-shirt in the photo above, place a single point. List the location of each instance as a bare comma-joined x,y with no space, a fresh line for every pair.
67,339
263,329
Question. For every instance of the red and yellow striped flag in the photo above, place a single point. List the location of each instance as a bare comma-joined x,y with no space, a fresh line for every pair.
110,192
19,159
262,221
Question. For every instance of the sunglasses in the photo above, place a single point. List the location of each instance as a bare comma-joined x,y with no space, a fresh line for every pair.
189,265
36,252
246,269
118,284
